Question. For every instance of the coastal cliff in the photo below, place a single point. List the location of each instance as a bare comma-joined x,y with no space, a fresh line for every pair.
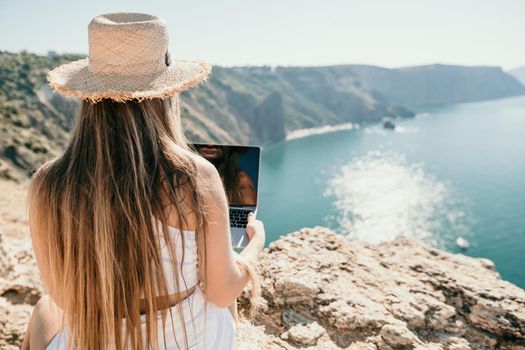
324,292
248,105
437,84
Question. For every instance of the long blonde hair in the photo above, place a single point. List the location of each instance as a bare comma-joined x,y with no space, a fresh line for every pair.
99,203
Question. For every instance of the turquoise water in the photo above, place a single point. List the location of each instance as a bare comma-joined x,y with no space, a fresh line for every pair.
453,171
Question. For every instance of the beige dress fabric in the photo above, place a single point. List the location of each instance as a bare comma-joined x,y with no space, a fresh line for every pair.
213,328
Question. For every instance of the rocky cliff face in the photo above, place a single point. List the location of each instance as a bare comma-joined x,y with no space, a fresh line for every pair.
269,119
437,84
249,105
519,74
321,291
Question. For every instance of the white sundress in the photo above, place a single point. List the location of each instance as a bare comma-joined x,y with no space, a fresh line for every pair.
214,330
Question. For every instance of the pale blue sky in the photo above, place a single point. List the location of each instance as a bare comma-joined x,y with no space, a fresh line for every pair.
389,33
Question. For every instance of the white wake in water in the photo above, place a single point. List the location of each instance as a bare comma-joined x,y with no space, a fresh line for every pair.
380,196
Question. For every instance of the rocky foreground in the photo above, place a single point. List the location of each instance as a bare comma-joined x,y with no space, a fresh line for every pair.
323,292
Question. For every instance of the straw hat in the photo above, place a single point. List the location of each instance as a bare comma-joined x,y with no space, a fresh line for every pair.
128,59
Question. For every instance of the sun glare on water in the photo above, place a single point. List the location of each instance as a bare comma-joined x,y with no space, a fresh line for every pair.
380,196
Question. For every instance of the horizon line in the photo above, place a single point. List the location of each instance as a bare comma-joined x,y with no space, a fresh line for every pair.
273,66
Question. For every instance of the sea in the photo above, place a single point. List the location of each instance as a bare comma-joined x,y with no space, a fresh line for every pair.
451,171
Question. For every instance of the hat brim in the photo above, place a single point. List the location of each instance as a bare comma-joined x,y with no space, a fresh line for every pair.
76,80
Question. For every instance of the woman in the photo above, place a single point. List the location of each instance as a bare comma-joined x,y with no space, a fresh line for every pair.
130,228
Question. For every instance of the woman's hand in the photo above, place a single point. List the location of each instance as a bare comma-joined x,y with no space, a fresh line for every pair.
255,230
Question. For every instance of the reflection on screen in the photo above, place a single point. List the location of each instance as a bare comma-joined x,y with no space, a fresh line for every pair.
238,167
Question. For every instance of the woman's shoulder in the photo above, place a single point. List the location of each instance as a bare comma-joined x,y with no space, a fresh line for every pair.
206,174
200,162
205,170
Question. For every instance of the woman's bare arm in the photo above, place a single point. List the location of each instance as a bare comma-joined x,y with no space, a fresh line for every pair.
225,279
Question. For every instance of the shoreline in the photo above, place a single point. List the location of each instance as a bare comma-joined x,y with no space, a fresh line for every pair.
318,130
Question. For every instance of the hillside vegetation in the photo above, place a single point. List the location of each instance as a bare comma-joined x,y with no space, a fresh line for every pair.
249,105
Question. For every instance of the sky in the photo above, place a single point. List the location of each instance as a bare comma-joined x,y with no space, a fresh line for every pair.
388,33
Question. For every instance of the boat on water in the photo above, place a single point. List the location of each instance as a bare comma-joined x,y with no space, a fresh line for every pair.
462,243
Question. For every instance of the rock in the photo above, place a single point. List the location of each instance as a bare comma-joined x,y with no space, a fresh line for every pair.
388,124
20,289
322,291
401,294
398,336
254,337
292,318
362,346
488,264
295,290
304,335
455,343
13,324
